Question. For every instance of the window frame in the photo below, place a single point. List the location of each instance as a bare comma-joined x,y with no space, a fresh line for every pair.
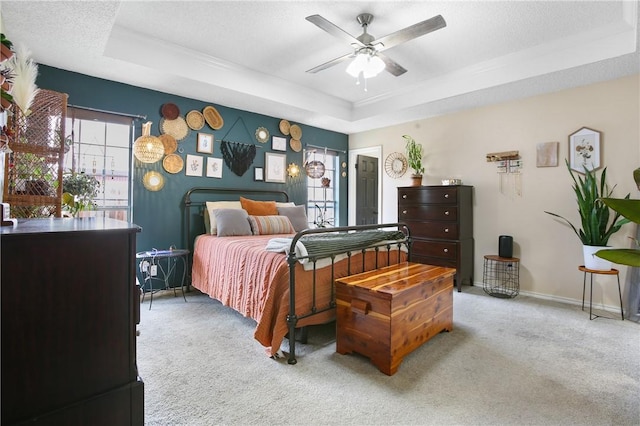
75,113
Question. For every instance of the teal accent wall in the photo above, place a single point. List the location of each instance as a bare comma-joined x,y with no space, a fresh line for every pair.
160,213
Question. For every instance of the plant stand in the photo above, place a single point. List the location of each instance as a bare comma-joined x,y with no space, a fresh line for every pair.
501,276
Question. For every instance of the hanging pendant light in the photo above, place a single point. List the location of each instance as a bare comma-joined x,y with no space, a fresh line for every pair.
315,169
147,148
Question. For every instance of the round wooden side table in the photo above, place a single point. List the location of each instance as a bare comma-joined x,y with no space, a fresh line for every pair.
584,284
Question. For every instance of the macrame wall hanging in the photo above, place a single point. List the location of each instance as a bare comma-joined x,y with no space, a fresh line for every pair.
238,156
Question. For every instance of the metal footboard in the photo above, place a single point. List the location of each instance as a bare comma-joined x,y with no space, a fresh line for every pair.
293,258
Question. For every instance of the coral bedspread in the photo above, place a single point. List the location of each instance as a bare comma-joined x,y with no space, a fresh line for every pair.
240,273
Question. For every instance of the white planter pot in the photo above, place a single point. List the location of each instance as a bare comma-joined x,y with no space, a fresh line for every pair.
591,261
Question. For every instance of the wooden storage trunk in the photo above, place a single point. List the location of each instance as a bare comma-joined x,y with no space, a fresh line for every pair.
386,313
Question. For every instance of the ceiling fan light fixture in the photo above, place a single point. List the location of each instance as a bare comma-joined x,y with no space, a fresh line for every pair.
366,63
375,66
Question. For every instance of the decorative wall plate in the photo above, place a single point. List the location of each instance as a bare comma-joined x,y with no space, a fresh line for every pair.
173,163
177,128
395,165
213,117
195,120
295,145
296,131
169,142
284,127
170,111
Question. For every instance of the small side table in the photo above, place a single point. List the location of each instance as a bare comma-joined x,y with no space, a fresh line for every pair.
501,276
161,265
584,284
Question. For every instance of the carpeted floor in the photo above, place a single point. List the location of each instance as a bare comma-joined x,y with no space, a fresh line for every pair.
521,361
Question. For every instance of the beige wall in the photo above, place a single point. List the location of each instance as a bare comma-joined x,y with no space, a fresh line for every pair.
456,145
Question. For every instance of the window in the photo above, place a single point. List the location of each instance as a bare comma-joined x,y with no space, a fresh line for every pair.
99,145
322,202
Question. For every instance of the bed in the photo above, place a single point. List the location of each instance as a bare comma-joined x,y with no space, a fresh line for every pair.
282,280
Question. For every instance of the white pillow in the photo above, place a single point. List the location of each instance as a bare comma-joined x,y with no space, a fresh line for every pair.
289,204
210,223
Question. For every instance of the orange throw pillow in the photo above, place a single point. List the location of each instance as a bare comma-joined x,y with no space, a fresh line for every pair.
259,208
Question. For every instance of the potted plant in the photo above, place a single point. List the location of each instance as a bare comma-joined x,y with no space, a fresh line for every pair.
595,216
414,157
631,210
6,51
79,190
6,84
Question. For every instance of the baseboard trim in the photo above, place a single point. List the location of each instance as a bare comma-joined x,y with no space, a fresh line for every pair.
567,300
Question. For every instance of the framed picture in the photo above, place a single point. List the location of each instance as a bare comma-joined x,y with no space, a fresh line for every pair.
547,154
214,167
194,165
275,167
205,143
584,150
258,173
278,143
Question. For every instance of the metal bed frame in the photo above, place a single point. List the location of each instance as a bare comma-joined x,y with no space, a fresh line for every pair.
191,201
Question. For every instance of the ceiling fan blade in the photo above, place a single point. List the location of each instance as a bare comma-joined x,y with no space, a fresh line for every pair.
409,33
392,66
331,63
334,30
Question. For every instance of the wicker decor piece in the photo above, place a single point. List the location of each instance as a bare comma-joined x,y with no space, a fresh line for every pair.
169,142
296,132
170,111
285,127
195,120
295,144
177,128
213,117
173,163
33,175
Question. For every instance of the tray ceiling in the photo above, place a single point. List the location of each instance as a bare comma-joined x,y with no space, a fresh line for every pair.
253,55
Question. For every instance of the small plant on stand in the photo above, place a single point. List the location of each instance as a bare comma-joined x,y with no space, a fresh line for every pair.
79,190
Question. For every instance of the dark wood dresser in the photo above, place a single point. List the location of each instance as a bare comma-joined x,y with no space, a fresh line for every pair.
70,305
441,222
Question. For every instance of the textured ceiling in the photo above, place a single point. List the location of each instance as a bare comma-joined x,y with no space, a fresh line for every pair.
253,55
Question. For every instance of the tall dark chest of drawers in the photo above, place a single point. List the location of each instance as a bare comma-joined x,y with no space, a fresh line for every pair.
441,222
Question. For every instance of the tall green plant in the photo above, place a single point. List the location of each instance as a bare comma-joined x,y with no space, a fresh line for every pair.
631,210
595,218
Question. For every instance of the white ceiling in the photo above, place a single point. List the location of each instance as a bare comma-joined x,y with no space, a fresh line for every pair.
253,55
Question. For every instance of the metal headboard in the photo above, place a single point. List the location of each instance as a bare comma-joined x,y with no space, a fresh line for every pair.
196,198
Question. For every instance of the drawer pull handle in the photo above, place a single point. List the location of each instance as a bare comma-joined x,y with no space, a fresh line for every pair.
404,212
446,229
446,213
404,196
446,250
446,195
361,307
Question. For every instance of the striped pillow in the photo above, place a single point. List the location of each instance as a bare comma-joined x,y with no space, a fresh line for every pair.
267,225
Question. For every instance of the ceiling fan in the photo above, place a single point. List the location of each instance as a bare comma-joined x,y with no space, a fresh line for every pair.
366,44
